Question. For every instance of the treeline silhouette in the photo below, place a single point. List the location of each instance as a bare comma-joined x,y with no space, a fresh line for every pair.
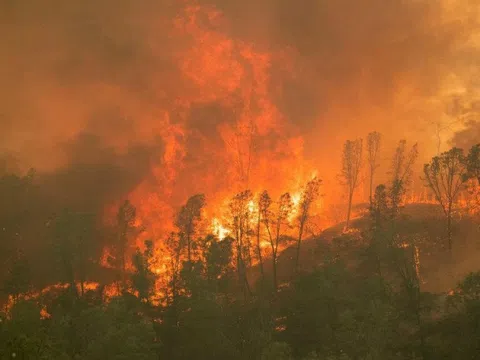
198,296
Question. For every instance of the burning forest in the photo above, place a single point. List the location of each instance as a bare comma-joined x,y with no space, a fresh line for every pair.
217,179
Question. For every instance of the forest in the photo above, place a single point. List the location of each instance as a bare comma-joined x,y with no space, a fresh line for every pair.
397,278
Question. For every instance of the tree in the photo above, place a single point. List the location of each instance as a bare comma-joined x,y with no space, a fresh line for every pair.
115,331
351,165
23,335
373,148
74,246
473,163
218,260
125,224
187,219
445,176
143,279
472,177
459,334
240,213
309,196
18,280
263,205
174,247
401,171
277,219
16,195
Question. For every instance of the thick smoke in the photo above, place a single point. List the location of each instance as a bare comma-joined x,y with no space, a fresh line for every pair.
150,94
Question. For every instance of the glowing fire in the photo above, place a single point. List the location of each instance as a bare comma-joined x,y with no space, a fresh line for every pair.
219,230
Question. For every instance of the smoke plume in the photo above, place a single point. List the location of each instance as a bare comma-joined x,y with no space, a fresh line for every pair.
158,100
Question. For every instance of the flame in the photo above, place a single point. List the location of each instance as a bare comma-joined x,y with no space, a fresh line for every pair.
219,230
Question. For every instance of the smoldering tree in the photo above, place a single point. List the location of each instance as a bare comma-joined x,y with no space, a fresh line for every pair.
401,172
240,224
373,149
310,194
351,166
187,220
445,176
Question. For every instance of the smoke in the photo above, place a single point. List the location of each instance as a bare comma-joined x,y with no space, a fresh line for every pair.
160,97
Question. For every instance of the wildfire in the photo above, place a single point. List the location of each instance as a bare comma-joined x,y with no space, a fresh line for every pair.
219,230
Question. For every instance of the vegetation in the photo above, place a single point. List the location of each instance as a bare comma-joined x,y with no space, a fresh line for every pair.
197,296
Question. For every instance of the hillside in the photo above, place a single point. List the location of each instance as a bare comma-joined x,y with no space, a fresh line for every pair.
439,270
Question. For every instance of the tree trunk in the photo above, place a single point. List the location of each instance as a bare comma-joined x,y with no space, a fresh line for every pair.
259,250
189,249
449,227
350,198
299,242
371,188
274,268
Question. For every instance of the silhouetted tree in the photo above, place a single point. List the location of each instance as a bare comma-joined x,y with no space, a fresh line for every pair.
18,279
143,279
74,245
401,172
373,148
240,214
273,223
445,176
309,195
175,247
126,217
473,163
263,205
187,219
351,165
218,259
16,193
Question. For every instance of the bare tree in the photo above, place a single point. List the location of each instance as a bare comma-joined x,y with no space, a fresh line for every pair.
401,171
373,148
351,165
309,195
240,213
187,219
445,176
